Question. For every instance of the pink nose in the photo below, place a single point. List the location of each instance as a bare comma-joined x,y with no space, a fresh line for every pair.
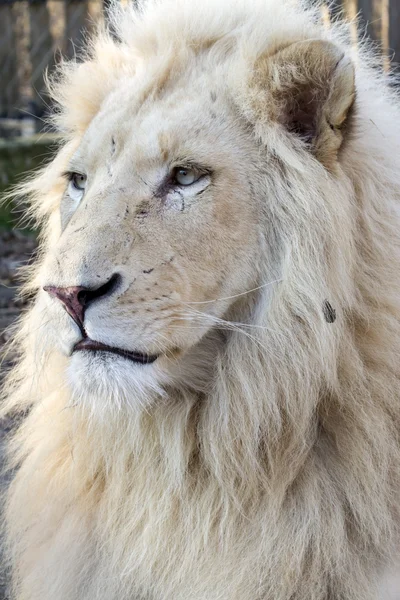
75,299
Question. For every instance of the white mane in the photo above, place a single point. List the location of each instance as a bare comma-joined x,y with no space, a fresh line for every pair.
273,471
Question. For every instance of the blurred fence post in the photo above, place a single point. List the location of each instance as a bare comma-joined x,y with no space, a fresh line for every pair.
22,33
371,18
8,61
394,30
40,60
76,25
95,13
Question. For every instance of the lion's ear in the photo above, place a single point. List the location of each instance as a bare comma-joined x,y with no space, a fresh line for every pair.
309,87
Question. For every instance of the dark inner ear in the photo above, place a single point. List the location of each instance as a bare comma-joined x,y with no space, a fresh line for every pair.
308,87
301,116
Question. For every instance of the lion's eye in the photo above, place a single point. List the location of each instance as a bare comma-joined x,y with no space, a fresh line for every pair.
78,181
185,176
77,185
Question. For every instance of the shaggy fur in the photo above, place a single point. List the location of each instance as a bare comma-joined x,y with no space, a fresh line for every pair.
259,459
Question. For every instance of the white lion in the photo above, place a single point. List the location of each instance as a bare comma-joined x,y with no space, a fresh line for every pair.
210,373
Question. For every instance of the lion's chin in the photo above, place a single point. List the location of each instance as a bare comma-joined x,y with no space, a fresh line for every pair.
107,381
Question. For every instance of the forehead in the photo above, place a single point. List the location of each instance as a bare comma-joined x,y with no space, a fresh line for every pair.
193,111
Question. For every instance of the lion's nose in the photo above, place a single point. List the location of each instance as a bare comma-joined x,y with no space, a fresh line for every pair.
76,299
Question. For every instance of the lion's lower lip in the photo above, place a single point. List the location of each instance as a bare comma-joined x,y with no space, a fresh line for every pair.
137,357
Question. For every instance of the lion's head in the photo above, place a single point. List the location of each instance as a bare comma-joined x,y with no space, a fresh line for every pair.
175,199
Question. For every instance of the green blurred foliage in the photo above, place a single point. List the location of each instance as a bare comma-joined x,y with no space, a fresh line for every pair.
18,158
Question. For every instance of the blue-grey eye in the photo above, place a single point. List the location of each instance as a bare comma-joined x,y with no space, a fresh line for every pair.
78,181
77,185
185,176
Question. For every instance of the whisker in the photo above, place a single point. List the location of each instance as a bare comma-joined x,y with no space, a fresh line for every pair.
237,295
233,327
237,323
164,350
199,314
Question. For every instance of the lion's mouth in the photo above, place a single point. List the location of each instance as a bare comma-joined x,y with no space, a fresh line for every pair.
93,346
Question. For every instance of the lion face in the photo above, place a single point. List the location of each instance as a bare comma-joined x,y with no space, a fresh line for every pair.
158,221
166,211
